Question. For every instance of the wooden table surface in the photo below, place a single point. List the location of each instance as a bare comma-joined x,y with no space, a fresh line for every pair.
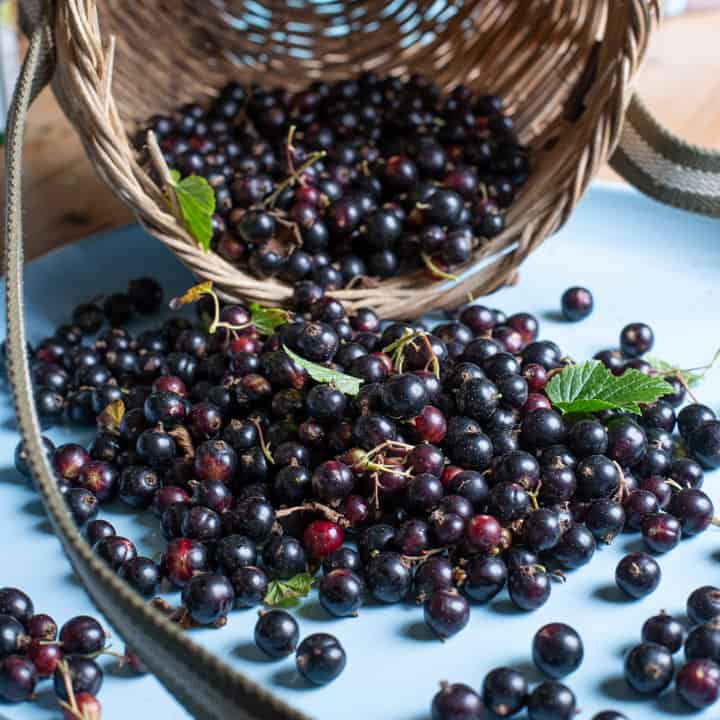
65,199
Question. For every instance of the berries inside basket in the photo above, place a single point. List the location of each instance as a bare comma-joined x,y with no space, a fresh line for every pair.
404,157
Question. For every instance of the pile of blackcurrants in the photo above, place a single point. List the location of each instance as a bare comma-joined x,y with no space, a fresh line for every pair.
31,650
446,467
342,182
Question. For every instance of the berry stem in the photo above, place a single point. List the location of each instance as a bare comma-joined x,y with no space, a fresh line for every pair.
435,270
263,445
315,507
313,158
163,170
71,705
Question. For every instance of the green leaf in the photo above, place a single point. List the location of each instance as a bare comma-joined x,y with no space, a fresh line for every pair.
690,377
265,319
196,199
666,369
591,387
287,593
345,383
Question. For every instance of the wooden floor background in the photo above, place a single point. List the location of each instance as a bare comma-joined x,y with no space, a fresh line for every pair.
65,200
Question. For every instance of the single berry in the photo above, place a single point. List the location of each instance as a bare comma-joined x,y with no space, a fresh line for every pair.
208,598
142,574
82,635
388,578
446,613
86,676
649,668
636,339
529,587
551,700
664,630
341,592
557,650
660,531
250,584
17,604
577,303
18,678
457,702
703,604
637,575
703,641
698,683
322,537
284,557
276,633
320,658
484,577
504,691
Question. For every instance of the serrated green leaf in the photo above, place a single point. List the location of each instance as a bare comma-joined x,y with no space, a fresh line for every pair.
691,379
287,593
591,387
265,319
196,200
345,383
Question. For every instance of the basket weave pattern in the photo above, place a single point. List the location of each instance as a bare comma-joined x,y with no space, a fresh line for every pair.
563,67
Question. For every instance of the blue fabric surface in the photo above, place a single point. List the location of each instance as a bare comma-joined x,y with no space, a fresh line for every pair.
642,262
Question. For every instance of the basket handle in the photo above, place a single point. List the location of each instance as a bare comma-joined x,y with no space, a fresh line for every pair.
207,687
664,166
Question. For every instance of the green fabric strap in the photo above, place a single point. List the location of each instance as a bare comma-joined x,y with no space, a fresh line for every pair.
666,167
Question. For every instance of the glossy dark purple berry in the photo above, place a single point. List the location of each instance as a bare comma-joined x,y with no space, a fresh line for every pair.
576,303
529,587
457,702
142,574
85,677
649,668
698,683
341,593
284,557
703,641
208,598
637,575
276,633
82,635
551,700
18,678
250,584
320,658
664,630
504,691
703,604
388,577
446,613
16,604
704,444
557,650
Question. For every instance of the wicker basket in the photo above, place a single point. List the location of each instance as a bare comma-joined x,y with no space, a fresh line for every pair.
564,67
